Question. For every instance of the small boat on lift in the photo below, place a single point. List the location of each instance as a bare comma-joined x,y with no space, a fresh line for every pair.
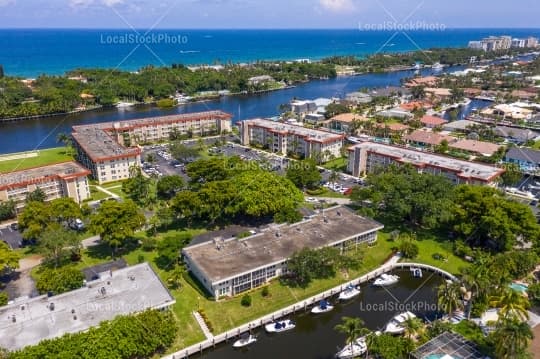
353,350
280,326
386,280
322,307
395,326
244,341
349,292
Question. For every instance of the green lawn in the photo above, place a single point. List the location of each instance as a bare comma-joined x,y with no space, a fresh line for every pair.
338,164
430,247
44,157
96,195
118,191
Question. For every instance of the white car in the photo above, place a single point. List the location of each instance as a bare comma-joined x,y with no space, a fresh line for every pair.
311,199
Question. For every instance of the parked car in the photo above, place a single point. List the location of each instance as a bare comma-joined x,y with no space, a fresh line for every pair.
14,226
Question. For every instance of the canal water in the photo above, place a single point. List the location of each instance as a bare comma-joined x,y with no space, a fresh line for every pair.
35,134
314,336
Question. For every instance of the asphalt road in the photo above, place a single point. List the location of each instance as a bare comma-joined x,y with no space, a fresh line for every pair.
12,237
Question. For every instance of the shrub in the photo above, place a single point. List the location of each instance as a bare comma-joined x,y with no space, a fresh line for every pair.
140,258
409,249
246,300
59,280
166,103
534,293
265,292
148,244
3,299
462,250
125,337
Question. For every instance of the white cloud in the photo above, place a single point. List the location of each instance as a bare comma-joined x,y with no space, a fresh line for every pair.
80,3
337,5
112,2
86,3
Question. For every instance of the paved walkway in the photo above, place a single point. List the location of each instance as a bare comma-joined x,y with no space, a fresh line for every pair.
203,325
334,200
104,190
18,156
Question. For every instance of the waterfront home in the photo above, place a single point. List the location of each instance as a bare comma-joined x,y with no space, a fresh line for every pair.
358,97
475,147
527,159
395,113
448,345
427,139
432,121
367,157
227,267
67,179
343,121
260,80
509,111
516,135
462,126
429,81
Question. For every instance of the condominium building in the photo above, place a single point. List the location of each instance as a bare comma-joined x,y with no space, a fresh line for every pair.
109,149
367,157
67,179
285,139
231,266
27,321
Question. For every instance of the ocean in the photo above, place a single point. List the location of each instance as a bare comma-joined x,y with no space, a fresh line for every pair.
31,52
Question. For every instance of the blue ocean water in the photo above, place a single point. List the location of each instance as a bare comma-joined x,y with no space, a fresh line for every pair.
30,52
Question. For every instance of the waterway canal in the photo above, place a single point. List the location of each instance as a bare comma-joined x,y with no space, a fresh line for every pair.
314,336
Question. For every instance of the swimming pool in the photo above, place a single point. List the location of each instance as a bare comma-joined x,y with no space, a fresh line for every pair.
518,287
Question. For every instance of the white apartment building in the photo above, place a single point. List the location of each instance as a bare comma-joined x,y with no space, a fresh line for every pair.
67,179
368,156
232,266
286,139
109,149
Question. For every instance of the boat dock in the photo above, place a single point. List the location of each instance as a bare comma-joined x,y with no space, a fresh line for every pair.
303,305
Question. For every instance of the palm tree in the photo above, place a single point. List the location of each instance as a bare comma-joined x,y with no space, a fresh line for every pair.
512,338
352,328
512,305
413,327
65,139
449,297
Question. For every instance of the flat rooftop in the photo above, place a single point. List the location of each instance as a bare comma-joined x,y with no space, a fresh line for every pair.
310,134
98,144
128,290
222,259
64,170
418,158
152,121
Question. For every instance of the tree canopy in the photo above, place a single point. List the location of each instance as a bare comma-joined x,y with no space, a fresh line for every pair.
9,259
304,174
485,218
405,195
116,222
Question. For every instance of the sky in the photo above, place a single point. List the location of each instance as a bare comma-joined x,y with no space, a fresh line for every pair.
238,14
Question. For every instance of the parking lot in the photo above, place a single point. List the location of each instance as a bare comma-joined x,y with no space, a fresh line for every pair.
12,237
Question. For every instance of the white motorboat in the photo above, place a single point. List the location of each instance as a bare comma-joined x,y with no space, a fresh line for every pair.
416,272
395,326
244,341
386,279
124,104
322,307
437,66
349,292
280,326
353,350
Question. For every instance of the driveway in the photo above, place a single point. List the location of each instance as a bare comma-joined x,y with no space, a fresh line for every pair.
12,237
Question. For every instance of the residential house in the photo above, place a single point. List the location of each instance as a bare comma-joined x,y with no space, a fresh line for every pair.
526,158
427,139
475,147
432,121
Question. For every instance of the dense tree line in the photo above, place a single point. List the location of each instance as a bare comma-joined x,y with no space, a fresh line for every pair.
446,56
56,94
137,336
480,216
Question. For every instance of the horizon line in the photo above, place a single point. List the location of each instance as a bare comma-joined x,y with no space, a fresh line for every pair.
262,28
